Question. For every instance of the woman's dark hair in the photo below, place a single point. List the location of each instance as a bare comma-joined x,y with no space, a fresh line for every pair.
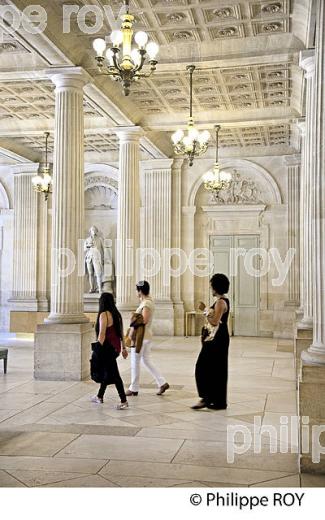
106,303
144,287
220,283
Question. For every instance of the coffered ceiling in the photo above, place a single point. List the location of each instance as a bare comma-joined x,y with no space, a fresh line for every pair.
247,76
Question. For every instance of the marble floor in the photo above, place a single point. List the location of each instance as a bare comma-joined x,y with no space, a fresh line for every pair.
51,435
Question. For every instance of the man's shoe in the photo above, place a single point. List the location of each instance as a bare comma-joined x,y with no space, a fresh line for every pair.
122,406
213,406
163,389
129,393
198,406
96,399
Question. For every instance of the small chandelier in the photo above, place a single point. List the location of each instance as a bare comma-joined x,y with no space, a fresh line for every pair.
126,66
42,183
216,179
194,143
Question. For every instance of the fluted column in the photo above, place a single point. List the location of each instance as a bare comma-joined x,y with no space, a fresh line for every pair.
128,220
188,222
293,174
301,124
176,244
62,342
68,196
24,293
157,204
307,62
316,353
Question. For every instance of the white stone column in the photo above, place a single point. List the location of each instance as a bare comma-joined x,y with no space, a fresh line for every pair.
307,62
157,206
188,215
128,220
301,124
24,293
42,260
157,201
62,344
293,174
68,196
177,244
316,352
312,375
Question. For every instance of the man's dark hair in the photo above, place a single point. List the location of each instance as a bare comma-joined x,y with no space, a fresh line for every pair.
144,287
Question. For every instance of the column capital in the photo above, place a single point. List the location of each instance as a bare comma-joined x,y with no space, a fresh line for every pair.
157,164
292,160
25,169
177,163
301,125
69,77
307,61
127,134
189,210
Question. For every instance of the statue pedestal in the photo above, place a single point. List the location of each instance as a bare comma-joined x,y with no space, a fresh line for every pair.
91,302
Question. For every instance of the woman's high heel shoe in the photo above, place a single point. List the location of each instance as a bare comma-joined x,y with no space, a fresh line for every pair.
129,393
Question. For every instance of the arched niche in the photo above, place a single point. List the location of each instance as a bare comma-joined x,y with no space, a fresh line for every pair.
101,187
4,198
266,186
101,197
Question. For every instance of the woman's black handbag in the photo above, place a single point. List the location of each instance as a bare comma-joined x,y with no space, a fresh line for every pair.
103,367
97,365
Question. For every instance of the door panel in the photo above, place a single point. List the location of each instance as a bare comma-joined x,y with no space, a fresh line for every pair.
244,286
246,292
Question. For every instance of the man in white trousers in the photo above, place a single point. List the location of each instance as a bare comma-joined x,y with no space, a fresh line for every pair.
147,309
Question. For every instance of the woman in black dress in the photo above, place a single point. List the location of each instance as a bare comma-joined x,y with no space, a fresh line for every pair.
109,331
211,371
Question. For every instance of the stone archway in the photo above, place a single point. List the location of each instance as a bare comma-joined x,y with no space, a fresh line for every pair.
247,169
4,198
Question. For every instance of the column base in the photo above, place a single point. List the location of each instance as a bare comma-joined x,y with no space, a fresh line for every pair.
299,314
302,340
23,304
305,323
313,357
179,314
62,319
43,304
163,321
312,408
62,351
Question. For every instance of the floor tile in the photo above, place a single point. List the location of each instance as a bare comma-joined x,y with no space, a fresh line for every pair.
215,454
312,480
33,478
7,480
33,443
91,481
74,465
122,448
291,481
189,472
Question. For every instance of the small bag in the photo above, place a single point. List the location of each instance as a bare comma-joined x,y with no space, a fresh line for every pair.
97,369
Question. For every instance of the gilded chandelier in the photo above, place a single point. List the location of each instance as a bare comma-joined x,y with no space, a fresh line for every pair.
125,64
193,143
216,179
42,183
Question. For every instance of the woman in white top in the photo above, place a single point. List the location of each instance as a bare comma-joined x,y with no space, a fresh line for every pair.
146,308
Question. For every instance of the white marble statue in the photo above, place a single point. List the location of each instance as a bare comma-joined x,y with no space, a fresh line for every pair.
94,260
